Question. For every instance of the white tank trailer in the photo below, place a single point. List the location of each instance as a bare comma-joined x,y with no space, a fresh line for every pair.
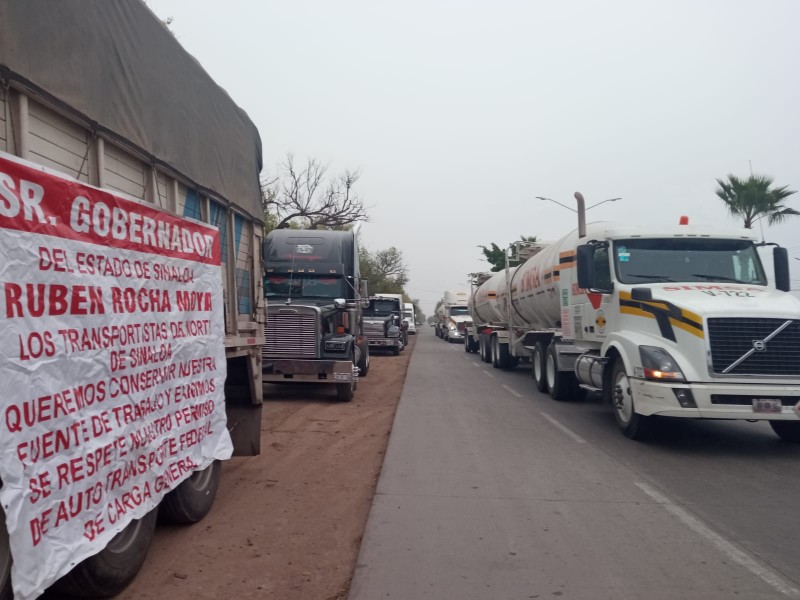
673,321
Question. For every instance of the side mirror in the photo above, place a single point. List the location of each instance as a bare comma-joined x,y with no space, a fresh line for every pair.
780,259
339,303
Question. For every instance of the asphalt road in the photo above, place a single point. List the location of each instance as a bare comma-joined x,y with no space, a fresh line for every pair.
490,489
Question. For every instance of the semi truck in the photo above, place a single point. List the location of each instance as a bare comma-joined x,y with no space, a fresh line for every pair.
383,325
673,321
452,315
131,305
410,318
316,297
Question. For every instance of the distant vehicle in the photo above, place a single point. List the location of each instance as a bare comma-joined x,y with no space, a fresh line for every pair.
452,317
409,318
403,324
383,325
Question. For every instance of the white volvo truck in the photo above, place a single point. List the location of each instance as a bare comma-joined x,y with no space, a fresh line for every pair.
673,321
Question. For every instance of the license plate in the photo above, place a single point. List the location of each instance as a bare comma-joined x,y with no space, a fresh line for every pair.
766,405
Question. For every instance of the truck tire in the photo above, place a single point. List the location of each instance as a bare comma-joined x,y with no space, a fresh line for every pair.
485,350
493,353
192,499
363,363
632,424
396,350
504,359
109,571
788,431
6,593
538,366
562,385
344,392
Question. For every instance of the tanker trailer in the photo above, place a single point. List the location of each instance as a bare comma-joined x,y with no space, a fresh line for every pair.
484,310
501,340
671,321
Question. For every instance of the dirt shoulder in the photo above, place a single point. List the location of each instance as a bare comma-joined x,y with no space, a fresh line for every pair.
287,524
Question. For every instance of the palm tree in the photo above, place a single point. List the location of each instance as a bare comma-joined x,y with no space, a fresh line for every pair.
754,198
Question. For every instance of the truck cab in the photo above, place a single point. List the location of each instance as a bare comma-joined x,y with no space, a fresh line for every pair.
383,324
314,321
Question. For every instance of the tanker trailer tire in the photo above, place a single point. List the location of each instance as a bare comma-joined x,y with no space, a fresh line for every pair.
788,431
493,353
504,359
109,571
192,499
6,593
538,366
632,424
483,346
562,385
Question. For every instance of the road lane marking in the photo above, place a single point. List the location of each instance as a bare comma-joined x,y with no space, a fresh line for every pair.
512,391
476,364
489,374
575,437
742,557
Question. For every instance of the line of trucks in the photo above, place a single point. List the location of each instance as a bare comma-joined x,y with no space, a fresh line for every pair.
671,321
133,228
142,308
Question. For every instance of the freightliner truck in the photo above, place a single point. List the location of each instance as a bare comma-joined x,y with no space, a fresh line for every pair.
314,330
114,141
674,321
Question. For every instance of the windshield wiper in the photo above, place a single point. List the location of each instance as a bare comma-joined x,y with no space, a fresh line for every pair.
656,277
717,277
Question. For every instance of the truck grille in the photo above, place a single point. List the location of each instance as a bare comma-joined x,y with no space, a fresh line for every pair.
290,335
731,339
373,331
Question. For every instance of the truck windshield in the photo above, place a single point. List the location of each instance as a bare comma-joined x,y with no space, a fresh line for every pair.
303,286
681,259
380,308
458,310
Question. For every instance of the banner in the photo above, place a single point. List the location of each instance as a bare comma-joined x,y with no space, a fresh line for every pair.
112,364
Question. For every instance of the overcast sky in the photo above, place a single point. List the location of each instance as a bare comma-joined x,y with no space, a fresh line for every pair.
459,114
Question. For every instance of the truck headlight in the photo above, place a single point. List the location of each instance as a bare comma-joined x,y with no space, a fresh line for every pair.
659,365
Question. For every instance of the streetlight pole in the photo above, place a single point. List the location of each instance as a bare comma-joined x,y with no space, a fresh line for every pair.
574,210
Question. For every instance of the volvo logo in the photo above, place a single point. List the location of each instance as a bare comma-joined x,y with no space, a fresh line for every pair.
759,345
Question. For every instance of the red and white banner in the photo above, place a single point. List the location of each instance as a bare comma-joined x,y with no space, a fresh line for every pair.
112,364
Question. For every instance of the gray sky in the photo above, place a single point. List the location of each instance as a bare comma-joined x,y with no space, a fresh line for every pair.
460,113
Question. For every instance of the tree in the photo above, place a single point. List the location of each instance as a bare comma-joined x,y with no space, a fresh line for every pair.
308,199
385,270
754,198
496,256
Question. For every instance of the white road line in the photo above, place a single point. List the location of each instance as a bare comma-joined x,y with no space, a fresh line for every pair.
512,391
578,439
733,552
476,364
488,374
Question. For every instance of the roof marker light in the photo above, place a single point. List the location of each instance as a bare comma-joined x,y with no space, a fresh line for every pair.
684,220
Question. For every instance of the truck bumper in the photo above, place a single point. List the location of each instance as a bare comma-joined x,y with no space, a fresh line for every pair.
310,371
456,336
715,401
383,343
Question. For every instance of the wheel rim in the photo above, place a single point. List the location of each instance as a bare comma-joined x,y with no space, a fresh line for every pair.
623,399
